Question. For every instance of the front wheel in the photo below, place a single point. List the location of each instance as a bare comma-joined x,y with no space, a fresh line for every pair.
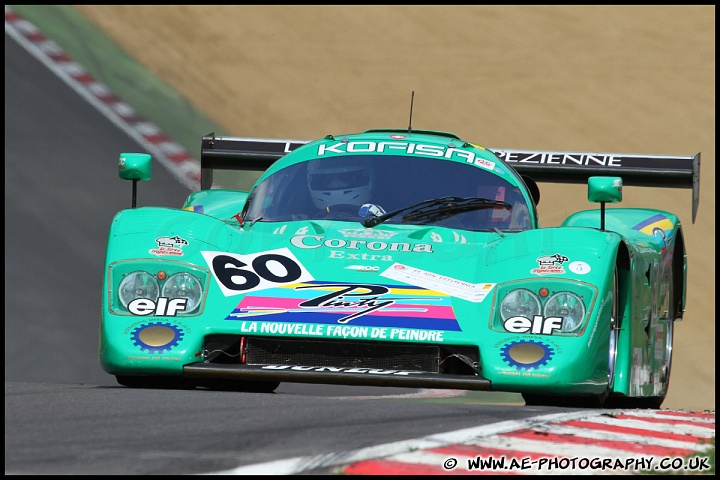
656,401
590,401
614,338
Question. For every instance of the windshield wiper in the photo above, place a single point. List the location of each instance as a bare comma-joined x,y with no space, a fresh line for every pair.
442,206
252,222
444,211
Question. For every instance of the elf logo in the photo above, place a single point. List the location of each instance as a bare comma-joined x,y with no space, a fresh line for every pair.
164,307
538,325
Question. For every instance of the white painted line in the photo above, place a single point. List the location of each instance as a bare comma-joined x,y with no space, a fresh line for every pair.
185,168
299,464
705,432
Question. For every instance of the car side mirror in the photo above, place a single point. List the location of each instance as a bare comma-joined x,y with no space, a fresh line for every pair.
135,167
603,190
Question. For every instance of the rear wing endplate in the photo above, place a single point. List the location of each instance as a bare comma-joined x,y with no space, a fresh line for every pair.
235,153
643,170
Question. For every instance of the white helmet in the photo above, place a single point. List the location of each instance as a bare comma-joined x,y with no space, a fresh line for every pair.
339,180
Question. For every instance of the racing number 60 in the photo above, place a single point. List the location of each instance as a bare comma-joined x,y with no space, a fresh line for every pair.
228,269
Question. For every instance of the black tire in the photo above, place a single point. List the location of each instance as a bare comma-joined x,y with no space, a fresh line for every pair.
613,341
654,403
589,401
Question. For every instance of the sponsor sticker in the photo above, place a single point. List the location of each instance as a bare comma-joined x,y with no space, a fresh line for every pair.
526,355
170,246
342,331
402,308
241,274
473,292
581,268
550,265
371,371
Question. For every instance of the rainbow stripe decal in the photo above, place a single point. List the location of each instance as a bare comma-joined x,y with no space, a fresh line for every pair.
656,222
195,208
329,303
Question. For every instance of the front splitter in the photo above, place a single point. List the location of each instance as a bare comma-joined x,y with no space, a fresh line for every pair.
335,376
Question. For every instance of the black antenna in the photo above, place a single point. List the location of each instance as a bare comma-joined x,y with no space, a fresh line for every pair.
412,98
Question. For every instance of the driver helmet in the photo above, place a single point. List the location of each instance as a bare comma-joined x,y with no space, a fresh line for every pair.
339,180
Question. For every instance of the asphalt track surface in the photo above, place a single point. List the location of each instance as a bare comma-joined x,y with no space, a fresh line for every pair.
64,415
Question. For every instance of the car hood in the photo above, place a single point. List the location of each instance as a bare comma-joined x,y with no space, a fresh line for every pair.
334,251
387,280
454,261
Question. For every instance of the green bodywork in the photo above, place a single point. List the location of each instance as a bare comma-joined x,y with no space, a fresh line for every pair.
443,285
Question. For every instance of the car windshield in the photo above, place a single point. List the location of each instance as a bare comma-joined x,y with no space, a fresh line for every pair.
394,189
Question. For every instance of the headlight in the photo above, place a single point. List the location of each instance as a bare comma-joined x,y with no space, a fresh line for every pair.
567,306
184,285
520,303
138,285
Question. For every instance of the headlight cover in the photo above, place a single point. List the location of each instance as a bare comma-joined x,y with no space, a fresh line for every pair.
543,307
162,288
520,303
567,306
136,285
184,285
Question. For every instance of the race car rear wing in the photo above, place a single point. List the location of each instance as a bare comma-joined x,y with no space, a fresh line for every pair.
639,170
643,170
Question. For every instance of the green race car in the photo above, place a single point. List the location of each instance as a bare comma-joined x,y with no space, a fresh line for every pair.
407,258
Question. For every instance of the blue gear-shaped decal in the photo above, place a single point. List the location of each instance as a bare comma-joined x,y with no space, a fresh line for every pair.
162,337
536,354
